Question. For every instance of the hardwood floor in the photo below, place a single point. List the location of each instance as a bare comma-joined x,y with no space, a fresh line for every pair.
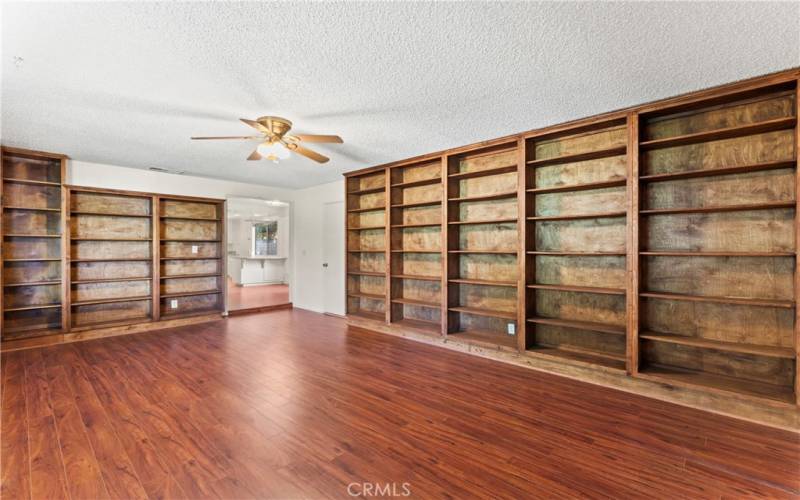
249,297
292,404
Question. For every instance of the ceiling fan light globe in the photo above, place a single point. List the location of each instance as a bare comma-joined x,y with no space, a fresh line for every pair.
273,151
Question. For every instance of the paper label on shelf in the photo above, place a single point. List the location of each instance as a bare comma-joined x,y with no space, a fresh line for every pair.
173,303
194,248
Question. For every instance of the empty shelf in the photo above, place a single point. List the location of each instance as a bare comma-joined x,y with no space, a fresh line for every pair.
574,288
110,214
584,356
365,228
590,155
379,189
598,215
32,209
669,253
730,208
415,302
484,221
580,325
110,301
21,235
371,209
32,283
420,182
576,254
484,312
417,204
496,252
170,217
373,296
366,273
485,197
110,280
189,294
375,316
33,307
482,173
756,167
785,304
578,187
485,338
759,350
181,276
427,224
31,182
416,277
465,281
722,133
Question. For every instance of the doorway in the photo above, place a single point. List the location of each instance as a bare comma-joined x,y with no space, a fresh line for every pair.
258,245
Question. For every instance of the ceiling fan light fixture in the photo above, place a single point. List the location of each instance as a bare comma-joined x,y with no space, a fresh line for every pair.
273,151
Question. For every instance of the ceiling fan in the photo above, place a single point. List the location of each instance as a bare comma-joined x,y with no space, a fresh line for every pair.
275,144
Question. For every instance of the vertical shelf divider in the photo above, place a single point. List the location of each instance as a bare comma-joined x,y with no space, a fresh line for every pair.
443,290
155,272
632,246
797,247
387,243
66,252
522,240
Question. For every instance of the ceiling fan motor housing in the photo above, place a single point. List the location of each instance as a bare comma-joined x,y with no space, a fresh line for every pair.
277,126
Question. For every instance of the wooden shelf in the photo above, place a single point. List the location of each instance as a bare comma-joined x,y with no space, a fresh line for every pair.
578,187
368,191
31,182
484,221
758,350
416,251
359,210
416,277
415,302
373,296
111,214
417,204
427,224
660,253
367,273
730,208
146,259
209,219
369,315
189,294
718,383
111,301
110,239
580,325
109,280
163,240
182,276
33,260
31,209
583,289
428,327
18,235
484,312
483,173
718,134
367,251
756,167
189,258
578,254
465,281
488,252
365,228
484,338
579,355
32,308
111,323
32,283
784,304
599,215
485,197
421,182
591,155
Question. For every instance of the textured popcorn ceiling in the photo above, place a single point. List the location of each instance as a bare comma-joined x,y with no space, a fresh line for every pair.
127,84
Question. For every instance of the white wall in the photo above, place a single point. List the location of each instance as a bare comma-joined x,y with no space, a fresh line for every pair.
309,206
306,252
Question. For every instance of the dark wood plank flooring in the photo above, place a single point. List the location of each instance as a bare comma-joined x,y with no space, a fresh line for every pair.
292,404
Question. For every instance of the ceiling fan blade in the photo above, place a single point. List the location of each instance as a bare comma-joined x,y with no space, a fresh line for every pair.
255,125
307,153
227,137
319,138
255,155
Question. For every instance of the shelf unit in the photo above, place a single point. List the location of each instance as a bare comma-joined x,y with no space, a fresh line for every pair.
717,303
658,242
416,243
191,266
575,211
367,283
32,270
482,265
110,243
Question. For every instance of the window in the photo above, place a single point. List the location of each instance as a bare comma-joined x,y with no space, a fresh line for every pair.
265,238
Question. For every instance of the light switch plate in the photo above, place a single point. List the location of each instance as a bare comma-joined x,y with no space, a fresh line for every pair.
512,329
173,303
195,248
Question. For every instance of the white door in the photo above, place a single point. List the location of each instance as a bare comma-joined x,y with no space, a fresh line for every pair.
333,257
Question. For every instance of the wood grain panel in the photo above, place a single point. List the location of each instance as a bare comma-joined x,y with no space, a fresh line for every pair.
366,182
479,186
181,267
111,290
189,230
25,272
491,298
107,270
29,222
417,194
486,161
424,264
33,169
107,227
581,202
108,204
417,215
501,237
183,285
583,172
26,324
25,296
598,308
116,311
581,143
488,267
374,285
188,209
184,249
486,210
31,248
372,239
366,219
417,238
368,262
110,249
580,341
24,195
416,173
428,291
593,235
605,271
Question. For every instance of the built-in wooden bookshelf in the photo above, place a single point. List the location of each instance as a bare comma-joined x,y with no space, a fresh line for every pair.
32,230
658,242
191,260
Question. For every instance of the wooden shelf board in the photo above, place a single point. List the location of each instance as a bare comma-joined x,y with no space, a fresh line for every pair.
584,357
31,209
207,219
358,210
368,315
111,323
659,253
368,191
416,277
758,350
484,312
465,281
367,273
485,221
20,235
110,301
493,252
109,280
783,304
578,254
32,283
575,288
189,294
578,187
428,327
417,204
366,251
182,276
167,313
32,308
427,224
189,258
32,331
191,241
485,197
146,259
485,338
718,134
365,228
591,155
416,251
415,302
730,208
598,215
372,296
421,182
580,325
483,173
31,182
112,214
109,239
756,167
33,260
718,383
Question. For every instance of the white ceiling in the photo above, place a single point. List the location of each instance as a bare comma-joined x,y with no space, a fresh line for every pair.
128,83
